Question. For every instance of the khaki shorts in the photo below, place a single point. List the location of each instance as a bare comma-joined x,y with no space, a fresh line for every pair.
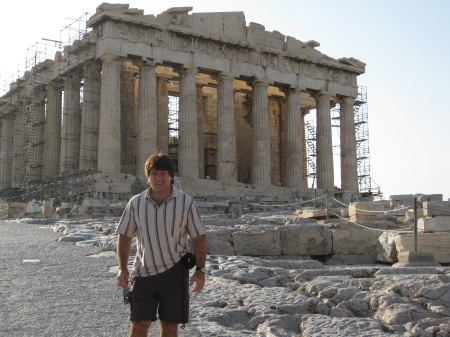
165,295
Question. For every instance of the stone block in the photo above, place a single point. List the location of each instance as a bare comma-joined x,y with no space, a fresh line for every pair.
4,211
355,241
361,218
436,224
437,243
429,197
411,256
257,244
386,249
309,239
365,208
436,208
314,213
220,243
402,200
351,259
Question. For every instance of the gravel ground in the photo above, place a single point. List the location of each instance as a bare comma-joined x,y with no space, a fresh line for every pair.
68,292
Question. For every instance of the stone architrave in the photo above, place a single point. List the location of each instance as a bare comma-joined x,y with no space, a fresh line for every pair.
90,116
52,147
188,131
109,140
71,124
162,98
261,136
226,131
294,134
349,165
324,143
147,114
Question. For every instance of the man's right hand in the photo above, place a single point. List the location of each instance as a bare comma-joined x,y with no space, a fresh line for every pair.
122,278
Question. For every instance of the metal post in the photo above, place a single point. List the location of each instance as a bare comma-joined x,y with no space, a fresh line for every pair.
415,224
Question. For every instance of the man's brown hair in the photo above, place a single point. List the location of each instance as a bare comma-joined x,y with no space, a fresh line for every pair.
161,162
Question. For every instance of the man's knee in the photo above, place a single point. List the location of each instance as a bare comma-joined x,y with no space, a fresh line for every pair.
140,326
168,329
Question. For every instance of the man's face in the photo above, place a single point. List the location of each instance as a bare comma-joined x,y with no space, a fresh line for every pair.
160,180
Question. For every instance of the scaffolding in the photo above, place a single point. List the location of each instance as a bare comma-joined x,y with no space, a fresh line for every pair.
362,144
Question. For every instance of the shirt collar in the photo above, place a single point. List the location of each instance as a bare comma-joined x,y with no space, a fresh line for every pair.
175,193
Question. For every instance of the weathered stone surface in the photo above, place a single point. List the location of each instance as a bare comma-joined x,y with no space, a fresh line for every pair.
220,242
325,326
254,244
402,200
365,208
351,259
436,208
438,243
386,249
436,224
355,241
309,239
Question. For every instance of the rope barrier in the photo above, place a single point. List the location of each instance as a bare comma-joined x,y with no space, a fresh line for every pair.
375,229
394,210
284,205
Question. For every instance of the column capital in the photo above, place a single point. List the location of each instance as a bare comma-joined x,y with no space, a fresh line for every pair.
348,99
110,57
93,65
261,82
145,62
185,69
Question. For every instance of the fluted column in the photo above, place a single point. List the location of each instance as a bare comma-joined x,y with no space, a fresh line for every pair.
261,137
188,141
200,131
109,156
324,144
226,130
52,147
162,98
17,161
349,165
90,112
71,124
304,149
6,148
147,115
294,169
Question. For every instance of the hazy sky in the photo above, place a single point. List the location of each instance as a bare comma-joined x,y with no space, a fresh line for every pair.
405,44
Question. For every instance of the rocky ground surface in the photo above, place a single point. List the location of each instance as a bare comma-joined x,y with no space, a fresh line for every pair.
58,280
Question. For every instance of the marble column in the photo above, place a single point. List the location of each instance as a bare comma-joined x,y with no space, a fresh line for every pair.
226,130
109,154
6,149
261,135
19,144
349,164
71,124
324,143
162,99
90,116
200,130
52,147
294,134
147,115
303,113
187,120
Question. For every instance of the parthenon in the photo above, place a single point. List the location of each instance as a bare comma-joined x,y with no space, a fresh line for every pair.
226,100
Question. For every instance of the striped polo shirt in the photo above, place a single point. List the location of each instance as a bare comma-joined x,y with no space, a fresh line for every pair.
161,231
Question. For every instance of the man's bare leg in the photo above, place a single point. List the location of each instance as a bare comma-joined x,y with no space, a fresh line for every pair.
139,328
168,329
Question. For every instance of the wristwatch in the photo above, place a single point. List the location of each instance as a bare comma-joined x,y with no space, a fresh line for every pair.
202,269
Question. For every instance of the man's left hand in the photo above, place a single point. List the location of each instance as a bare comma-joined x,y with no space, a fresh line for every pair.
199,279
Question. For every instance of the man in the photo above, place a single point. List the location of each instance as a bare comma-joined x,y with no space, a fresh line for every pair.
160,218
